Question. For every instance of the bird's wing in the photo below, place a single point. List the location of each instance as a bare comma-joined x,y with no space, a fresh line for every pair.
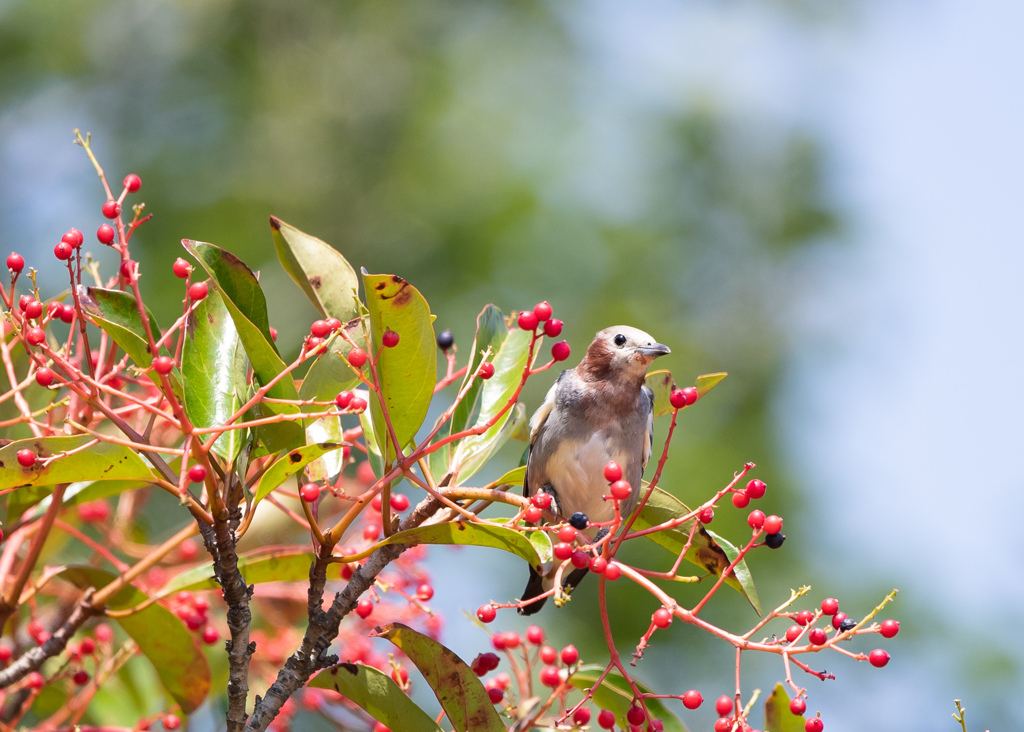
649,433
536,425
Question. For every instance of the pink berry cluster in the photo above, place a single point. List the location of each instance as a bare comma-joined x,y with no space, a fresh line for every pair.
194,611
540,317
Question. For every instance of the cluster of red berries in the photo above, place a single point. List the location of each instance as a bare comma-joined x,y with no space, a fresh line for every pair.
347,401
541,313
194,611
682,398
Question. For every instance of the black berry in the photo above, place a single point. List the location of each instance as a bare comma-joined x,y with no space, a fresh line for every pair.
774,541
579,520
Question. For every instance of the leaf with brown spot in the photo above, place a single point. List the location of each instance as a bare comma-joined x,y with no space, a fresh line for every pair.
462,696
323,274
377,695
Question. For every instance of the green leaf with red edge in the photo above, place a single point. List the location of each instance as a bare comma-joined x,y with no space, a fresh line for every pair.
407,372
662,384
213,369
481,533
247,306
462,696
777,717
616,695
267,564
707,550
377,695
318,269
288,465
160,635
510,361
116,313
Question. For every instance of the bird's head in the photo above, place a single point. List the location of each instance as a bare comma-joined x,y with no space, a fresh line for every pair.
621,351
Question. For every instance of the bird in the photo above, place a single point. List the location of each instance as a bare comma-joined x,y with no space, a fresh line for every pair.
596,413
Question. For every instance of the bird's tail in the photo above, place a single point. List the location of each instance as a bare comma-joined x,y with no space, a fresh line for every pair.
534,587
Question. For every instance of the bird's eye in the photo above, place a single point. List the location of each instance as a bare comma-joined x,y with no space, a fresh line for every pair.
620,340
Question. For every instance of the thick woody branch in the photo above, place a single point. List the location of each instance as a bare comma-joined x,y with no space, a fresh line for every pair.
34,658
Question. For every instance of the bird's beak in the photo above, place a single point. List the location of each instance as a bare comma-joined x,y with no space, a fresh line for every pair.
654,350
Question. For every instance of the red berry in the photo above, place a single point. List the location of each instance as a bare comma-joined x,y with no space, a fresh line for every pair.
198,291
890,628
560,351
621,490
105,233
773,524
532,515
804,617
486,370
677,399
606,719
580,559
549,676
15,262
635,715
553,328
541,500
87,646
171,722
399,502
542,310
692,699
320,328
73,237
424,592
357,357
740,500
163,365
63,251
755,489
309,492
486,613
35,681
691,394
343,399
182,269
527,320
562,551
512,639
581,716
830,606
548,655
364,608
814,724
111,209
33,309
612,472
358,404
723,705
838,619
54,309
35,336
389,339
495,695
210,635
817,636
132,182
570,655
26,458
797,706
44,376
103,633
612,572
273,333
67,313
334,324
535,634
878,658
567,534
793,632
662,617
371,532
598,565
197,473
756,519
707,515
81,677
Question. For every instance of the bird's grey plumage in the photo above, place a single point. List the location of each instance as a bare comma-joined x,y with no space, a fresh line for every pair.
598,412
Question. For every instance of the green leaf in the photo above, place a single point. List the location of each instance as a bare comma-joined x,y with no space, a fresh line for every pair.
319,269
741,572
662,384
28,496
777,717
456,687
213,368
116,313
482,533
267,564
509,363
247,306
99,461
408,371
160,635
377,695
330,372
288,465
704,552
615,694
